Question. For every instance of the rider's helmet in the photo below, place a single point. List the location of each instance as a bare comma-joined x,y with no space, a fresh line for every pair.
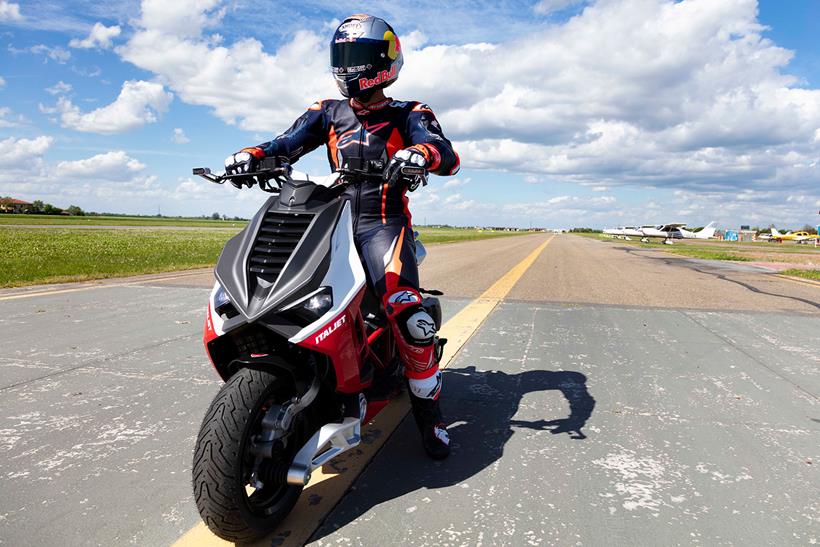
365,55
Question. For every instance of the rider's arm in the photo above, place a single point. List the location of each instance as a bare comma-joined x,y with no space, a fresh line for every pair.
307,133
426,136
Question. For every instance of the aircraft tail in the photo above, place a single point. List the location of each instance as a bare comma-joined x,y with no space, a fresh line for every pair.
775,233
707,231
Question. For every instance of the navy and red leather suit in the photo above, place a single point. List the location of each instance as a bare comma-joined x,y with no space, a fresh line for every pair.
382,220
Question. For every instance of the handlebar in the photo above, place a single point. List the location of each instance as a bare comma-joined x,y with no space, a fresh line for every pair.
364,171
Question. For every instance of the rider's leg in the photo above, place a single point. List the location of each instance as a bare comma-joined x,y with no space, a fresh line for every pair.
389,254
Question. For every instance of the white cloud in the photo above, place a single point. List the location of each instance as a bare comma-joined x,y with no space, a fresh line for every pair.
640,92
111,166
179,136
455,183
59,88
242,83
99,37
2,82
10,11
138,103
56,54
9,119
17,153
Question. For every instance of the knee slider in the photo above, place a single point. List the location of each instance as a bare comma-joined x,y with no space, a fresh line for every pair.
417,326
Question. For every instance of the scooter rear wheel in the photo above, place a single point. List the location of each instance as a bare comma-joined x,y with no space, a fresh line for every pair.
222,465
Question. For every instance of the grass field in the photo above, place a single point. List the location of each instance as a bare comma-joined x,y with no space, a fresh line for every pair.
53,220
34,255
806,274
57,255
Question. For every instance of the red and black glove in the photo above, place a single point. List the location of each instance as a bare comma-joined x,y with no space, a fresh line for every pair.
408,168
245,161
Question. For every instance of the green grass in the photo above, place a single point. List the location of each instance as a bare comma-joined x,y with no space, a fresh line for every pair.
807,274
705,254
34,255
53,220
57,255
692,251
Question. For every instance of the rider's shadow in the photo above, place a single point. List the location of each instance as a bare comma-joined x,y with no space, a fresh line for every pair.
479,406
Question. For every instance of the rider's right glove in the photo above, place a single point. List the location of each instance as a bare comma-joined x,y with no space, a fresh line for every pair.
407,168
244,161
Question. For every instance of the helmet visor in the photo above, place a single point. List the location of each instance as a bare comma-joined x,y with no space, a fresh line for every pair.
358,56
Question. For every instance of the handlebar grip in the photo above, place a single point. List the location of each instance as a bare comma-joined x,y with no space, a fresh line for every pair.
411,170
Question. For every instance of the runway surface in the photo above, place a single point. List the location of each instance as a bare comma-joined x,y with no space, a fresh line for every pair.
613,396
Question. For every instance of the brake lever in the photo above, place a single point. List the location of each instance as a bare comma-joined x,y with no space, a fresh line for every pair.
206,174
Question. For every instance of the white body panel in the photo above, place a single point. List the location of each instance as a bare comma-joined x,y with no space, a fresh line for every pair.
345,275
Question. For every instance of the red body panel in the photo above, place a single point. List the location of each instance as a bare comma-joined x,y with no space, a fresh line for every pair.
209,334
342,340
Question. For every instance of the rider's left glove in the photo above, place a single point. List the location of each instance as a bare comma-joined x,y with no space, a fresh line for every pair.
407,168
244,161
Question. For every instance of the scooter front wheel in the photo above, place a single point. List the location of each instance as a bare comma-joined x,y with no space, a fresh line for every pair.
228,503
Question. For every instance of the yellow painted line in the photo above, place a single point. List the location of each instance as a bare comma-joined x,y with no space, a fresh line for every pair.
328,485
100,284
809,282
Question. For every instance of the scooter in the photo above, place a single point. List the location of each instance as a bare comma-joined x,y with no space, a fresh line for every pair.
302,344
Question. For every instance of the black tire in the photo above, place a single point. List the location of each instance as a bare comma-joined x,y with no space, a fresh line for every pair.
221,460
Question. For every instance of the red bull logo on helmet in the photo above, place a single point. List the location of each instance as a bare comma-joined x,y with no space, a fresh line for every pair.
383,76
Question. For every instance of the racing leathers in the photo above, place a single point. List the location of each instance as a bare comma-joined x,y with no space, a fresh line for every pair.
355,133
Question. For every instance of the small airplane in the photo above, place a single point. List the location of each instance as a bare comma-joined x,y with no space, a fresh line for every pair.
667,232
623,232
677,231
789,236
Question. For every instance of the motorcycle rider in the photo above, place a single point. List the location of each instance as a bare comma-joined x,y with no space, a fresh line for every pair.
368,128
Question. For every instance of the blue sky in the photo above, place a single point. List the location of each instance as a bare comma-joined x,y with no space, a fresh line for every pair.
565,112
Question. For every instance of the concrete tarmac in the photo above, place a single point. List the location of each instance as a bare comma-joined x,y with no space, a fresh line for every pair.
615,398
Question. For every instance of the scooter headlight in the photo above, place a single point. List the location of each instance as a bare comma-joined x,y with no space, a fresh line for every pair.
221,298
223,305
319,303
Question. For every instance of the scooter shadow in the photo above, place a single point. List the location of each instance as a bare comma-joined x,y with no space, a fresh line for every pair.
479,406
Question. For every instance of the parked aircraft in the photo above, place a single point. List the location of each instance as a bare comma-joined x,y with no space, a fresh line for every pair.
667,232
789,236
677,231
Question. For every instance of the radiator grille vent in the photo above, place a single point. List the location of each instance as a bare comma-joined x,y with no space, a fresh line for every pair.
276,240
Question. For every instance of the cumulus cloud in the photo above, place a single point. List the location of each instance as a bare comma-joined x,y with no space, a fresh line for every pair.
9,119
646,92
110,166
59,88
56,54
16,152
100,179
243,84
681,95
99,37
138,103
179,136
9,11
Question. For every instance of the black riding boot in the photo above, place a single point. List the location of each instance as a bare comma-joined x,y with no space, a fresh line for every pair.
433,431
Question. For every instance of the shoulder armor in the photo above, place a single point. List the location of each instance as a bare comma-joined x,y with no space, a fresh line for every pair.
318,104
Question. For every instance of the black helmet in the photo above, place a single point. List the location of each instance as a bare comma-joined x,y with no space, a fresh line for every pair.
365,55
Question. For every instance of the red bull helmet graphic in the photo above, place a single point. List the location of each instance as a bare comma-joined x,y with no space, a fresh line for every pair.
365,55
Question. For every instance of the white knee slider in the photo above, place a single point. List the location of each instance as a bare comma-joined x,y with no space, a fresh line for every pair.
421,328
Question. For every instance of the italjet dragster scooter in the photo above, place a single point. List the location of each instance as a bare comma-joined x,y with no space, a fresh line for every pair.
302,344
